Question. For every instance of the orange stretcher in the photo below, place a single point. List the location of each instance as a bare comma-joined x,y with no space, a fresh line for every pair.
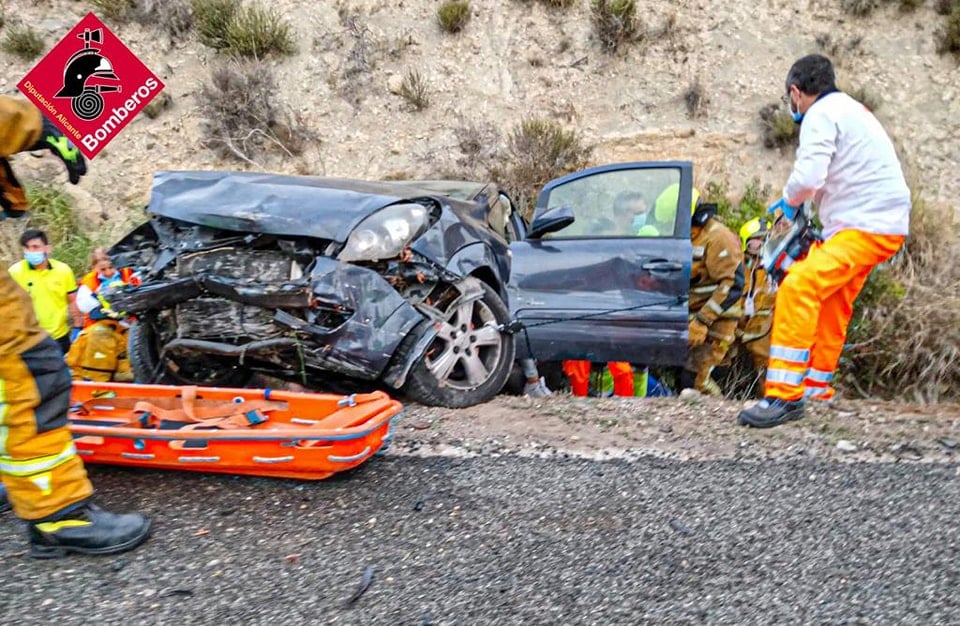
256,432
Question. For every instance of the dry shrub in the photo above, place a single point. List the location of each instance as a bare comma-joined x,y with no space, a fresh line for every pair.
117,10
778,128
173,16
453,15
23,41
539,150
861,94
948,37
479,144
945,7
242,117
615,22
859,8
904,340
694,99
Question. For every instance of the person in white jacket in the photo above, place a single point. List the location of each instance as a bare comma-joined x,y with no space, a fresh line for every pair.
848,166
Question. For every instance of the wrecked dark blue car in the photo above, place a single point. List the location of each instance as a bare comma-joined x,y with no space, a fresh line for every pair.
428,287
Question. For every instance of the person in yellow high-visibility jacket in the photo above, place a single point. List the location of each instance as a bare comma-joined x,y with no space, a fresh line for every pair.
45,480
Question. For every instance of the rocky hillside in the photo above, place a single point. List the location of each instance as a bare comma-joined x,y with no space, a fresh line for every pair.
520,58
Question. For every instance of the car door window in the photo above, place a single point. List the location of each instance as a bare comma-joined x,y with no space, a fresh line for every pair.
619,203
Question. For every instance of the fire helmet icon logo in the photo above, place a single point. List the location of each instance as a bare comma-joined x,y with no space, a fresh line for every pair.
86,75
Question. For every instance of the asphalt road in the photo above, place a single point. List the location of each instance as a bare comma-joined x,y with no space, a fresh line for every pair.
513,540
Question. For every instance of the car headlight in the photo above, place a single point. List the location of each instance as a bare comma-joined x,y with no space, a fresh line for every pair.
386,233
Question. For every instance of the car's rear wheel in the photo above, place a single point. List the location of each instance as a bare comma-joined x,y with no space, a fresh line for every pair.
470,359
144,347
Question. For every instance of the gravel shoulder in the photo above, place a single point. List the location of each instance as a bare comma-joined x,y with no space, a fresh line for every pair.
696,428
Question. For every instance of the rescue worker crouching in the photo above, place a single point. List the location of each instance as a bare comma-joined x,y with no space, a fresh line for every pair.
45,479
760,294
100,352
716,285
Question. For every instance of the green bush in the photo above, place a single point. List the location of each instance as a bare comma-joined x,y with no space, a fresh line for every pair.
615,22
753,202
212,18
453,15
255,32
52,211
539,150
23,42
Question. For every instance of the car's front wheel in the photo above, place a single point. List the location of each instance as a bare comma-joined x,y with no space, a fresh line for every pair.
470,359
144,347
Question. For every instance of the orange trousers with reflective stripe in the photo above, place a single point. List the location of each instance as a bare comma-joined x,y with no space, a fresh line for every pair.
813,309
579,374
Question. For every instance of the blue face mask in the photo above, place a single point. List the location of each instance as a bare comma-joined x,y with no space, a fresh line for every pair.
796,115
35,258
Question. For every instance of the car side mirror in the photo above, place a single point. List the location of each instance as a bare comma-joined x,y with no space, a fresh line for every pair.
550,221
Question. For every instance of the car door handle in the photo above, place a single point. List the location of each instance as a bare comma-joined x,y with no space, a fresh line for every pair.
662,266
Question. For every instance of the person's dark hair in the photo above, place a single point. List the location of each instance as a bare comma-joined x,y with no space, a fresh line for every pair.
813,75
32,233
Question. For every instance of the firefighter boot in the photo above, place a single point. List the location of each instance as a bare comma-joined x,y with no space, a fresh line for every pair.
86,529
4,502
771,412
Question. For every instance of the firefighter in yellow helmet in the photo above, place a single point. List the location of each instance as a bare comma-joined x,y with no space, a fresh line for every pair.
45,480
759,296
716,285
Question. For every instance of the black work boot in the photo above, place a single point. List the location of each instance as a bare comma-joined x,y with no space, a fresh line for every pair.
4,502
88,529
771,412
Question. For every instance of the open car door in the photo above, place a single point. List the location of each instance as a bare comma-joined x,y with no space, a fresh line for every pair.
603,272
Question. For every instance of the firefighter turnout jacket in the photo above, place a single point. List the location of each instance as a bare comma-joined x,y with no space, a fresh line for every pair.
38,461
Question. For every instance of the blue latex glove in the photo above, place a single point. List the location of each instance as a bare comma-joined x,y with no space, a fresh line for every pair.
789,211
74,333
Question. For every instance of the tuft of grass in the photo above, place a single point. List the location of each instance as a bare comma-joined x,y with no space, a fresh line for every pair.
242,117
538,150
52,211
413,89
694,99
23,42
778,128
615,22
212,18
117,10
255,32
453,15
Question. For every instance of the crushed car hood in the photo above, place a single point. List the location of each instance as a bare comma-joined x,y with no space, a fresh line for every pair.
300,206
